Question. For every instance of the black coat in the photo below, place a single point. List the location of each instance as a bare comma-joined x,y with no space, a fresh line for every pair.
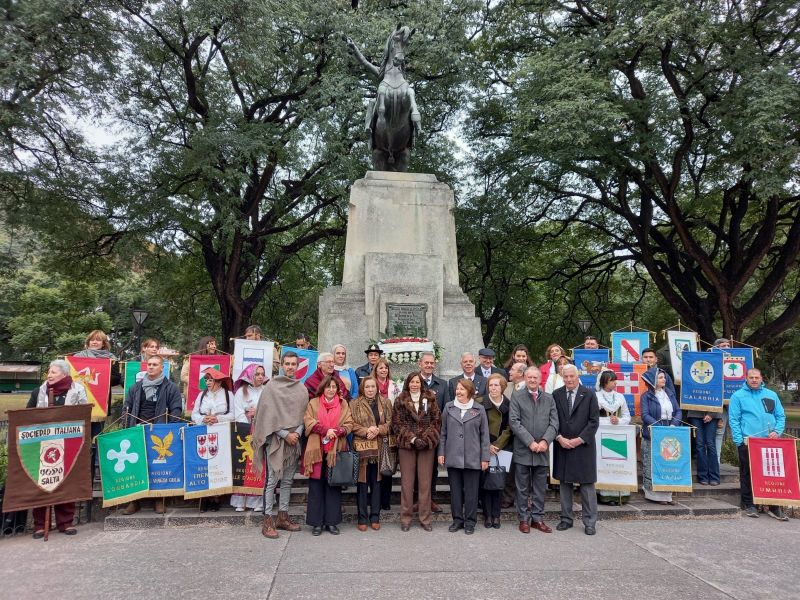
576,465
168,400
439,387
478,381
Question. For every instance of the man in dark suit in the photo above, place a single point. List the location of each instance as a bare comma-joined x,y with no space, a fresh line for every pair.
574,458
373,353
486,358
468,368
437,385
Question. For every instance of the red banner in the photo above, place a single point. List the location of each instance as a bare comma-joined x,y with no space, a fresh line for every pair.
94,374
199,363
773,471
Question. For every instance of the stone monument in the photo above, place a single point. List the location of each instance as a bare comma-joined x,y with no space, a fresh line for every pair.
400,268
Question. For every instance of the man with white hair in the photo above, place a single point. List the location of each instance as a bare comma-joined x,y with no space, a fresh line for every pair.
516,378
325,367
574,459
468,368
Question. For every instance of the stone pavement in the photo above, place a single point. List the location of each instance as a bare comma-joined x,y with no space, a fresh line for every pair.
672,559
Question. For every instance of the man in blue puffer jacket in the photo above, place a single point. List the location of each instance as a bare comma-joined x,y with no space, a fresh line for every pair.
754,411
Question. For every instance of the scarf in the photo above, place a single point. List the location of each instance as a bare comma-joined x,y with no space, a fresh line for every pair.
415,399
150,387
60,387
328,417
463,407
282,405
383,388
496,404
247,376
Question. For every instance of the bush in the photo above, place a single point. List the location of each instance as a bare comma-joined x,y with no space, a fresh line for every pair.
730,454
3,463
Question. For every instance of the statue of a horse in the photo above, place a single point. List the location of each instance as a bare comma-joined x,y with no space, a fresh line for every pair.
392,117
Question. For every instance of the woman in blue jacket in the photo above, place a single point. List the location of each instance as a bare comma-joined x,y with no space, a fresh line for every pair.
659,407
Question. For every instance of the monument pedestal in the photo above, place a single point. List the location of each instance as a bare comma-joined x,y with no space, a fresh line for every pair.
400,271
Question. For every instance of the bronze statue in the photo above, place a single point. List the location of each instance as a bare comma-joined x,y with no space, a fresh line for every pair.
392,117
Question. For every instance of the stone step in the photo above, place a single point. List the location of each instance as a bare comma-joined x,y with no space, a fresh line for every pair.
684,508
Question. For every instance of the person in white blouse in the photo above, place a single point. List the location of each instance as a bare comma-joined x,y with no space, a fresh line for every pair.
613,411
555,381
247,392
215,405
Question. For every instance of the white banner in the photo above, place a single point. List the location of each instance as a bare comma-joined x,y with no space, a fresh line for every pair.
680,342
247,352
616,458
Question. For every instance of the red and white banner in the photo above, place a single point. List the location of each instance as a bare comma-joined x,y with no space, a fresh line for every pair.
199,363
94,374
773,471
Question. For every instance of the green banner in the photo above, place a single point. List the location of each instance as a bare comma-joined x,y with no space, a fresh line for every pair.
123,465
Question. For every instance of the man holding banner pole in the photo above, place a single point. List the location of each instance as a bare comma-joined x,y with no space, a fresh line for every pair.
754,411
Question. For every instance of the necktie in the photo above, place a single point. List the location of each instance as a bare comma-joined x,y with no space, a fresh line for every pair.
569,399
428,382
535,396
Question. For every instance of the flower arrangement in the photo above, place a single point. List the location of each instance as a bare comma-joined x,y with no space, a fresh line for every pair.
400,350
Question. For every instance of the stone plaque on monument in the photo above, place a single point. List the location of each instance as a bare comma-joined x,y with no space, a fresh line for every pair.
406,319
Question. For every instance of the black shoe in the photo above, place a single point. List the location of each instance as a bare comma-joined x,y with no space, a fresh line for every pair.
333,530
316,531
455,527
213,506
563,526
487,523
469,530
589,530
386,507
405,527
496,524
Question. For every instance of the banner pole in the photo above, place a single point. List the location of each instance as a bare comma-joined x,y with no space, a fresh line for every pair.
47,522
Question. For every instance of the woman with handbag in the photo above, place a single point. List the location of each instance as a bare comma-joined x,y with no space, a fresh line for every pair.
464,450
372,417
496,405
327,422
416,421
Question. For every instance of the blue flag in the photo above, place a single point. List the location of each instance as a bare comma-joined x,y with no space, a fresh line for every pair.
627,346
207,460
671,459
306,362
165,458
589,364
701,387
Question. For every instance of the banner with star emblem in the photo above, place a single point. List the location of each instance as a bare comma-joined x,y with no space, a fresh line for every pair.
207,460
671,458
94,374
123,465
164,459
702,381
48,457
245,481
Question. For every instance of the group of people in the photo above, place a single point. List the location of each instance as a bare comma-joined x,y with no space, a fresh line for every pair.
461,424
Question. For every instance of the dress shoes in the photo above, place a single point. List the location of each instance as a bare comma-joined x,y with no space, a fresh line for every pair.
333,530
316,531
427,527
540,526
469,530
435,507
405,527
362,527
524,527
132,508
496,524
376,526
487,523
589,530
563,526
160,506
455,527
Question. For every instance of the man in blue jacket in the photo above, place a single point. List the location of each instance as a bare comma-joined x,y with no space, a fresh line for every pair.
754,411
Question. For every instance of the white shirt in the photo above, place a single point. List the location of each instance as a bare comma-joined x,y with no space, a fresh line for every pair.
242,404
612,402
666,405
213,403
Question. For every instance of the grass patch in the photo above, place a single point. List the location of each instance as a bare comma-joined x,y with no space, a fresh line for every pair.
11,402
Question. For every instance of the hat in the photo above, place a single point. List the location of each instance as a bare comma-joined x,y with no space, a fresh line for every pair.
373,348
225,380
719,341
486,352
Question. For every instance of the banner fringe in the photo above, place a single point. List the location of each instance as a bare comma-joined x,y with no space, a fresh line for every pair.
208,493
617,487
672,488
777,502
247,491
125,499
166,493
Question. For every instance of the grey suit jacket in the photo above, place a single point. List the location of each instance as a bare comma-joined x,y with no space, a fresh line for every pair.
464,444
532,422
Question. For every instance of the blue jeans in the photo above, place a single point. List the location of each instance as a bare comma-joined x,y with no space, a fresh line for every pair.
705,443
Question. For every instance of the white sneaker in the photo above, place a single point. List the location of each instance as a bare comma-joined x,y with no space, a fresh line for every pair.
777,513
240,509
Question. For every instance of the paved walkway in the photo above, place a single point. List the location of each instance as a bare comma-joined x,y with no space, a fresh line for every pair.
671,559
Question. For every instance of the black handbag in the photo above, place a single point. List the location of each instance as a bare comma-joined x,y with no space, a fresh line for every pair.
494,478
345,472
385,462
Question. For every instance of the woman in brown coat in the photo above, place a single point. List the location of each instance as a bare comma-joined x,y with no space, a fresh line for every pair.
372,418
416,421
327,422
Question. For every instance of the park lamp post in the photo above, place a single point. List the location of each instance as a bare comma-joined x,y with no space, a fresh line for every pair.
42,350
584,325
139,317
